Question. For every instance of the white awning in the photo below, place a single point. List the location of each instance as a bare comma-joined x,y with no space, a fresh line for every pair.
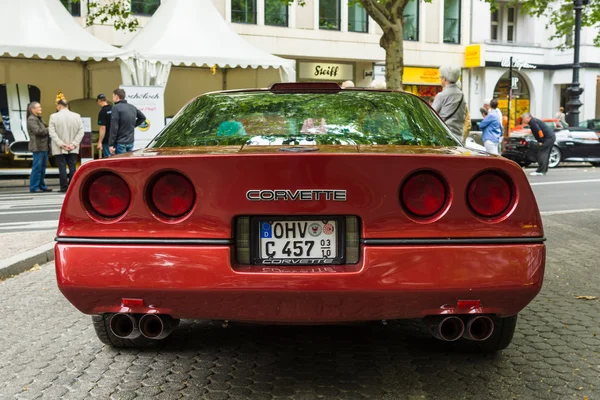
192,32
44,28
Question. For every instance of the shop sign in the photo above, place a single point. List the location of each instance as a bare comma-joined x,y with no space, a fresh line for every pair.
413,75
516,63
150,101
325,71
474,56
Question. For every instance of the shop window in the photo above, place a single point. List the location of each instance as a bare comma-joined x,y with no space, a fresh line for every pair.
452,21
276,13
411,20
329,14
358,21
243,11
73,7
144,7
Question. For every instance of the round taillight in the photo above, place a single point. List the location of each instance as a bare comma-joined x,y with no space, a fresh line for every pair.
424,194
489,195
172,195
108,195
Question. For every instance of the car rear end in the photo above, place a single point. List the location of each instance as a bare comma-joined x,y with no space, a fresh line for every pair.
307,234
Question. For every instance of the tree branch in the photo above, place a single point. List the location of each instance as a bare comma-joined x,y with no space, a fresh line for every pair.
378,12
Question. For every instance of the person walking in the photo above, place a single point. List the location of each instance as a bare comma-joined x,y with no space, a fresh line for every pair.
104,117
450,103
491,131
545,138
125,118
66,132
39,145
560,115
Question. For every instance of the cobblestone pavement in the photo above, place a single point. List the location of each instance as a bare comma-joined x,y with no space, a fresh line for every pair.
48,349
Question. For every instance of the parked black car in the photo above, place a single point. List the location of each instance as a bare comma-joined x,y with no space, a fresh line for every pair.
572,145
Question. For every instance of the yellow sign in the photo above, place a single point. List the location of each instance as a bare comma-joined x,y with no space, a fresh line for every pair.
416,75
473,56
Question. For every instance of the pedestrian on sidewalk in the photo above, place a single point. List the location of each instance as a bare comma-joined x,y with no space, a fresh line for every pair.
491,131
66,132
39,144
545,138
104,117
125,118
450,102
560,115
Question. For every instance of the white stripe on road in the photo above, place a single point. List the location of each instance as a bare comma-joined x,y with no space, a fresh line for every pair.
564,182
55,221
583,210
28,212
38,226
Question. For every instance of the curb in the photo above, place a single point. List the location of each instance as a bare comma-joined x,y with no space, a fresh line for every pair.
27,260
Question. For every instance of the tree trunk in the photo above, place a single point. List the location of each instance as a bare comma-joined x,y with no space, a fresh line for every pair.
392,42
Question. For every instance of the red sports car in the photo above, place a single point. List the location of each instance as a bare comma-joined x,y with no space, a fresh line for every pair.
302,204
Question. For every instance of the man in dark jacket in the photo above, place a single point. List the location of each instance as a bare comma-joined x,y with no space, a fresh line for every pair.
545,138
39,145
125,118
104,117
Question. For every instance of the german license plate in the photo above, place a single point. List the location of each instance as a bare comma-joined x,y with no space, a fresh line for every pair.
299,241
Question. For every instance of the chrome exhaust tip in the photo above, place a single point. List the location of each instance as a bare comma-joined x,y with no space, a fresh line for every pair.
157,326
479,328
449,328
124,326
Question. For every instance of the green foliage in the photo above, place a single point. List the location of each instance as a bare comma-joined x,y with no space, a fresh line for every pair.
561,17
264,118
117,12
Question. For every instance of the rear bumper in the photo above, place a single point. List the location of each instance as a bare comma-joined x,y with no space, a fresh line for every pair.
389,282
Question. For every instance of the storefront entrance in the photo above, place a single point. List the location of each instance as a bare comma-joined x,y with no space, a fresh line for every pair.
521,101
423,82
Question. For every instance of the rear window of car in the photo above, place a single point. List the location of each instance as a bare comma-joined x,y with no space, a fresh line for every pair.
265,118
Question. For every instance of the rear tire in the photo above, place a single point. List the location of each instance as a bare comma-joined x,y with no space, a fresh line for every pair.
504,329
595,164
102,327
555,157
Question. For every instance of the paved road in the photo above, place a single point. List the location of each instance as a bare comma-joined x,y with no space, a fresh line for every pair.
564,189
48,349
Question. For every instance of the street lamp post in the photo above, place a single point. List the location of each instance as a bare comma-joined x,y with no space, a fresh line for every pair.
574,90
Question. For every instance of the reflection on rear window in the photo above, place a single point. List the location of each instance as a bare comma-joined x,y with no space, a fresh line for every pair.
265,118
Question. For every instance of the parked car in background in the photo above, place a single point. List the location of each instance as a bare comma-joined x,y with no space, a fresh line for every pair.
593,124
572,144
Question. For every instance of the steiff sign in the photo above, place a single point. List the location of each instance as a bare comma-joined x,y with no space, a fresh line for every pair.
325,71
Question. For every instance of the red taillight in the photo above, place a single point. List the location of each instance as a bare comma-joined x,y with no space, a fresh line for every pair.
172,195
522,142
489,195
424,194
108,195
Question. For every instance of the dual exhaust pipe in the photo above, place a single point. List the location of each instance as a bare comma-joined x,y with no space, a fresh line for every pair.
451,328
151,326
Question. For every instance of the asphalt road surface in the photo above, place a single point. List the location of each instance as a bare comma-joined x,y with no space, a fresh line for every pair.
48,349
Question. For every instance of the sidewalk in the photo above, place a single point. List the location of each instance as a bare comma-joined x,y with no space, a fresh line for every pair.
22,250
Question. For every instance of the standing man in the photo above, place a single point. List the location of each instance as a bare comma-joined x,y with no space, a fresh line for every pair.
494,110
450,103
39,146
66,132
125,118
104,117
545,137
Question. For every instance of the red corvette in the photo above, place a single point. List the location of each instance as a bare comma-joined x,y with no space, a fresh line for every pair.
302,204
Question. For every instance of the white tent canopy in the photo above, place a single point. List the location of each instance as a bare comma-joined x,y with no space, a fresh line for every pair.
44,28
192,32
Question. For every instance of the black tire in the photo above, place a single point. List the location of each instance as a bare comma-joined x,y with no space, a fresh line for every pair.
504,329
102,328
525,164
555,152
595,164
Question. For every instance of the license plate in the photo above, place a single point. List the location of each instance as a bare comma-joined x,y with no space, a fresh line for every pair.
299,241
